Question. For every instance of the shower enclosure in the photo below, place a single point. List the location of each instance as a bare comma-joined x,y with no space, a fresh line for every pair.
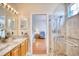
64,33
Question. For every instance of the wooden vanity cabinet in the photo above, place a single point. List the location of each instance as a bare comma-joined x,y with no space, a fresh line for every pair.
19,50
23,48
26,46
16,51
7,54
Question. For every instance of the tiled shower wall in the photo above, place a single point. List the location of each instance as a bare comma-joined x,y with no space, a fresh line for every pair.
66,40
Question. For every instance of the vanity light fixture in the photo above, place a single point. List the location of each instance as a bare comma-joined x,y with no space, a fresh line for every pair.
12,10
5,5
8,7
17,12
2,5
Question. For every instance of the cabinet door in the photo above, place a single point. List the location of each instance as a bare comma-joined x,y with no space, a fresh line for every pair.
23,48
26,46
8,54
15,51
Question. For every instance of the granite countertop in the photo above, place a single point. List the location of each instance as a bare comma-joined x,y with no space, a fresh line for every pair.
8,46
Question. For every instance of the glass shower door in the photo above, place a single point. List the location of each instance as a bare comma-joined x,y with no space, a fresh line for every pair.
57,33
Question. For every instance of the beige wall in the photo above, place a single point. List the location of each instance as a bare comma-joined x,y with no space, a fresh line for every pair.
72,26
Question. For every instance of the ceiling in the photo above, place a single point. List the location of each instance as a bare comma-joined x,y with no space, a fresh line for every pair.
28,8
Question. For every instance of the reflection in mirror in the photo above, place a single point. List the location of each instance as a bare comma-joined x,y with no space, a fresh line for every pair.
10,20
11,24
2,29
2,22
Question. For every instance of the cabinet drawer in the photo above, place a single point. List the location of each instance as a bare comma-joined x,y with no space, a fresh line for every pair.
26,46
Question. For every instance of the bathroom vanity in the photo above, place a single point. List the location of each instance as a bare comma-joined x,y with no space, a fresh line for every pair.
15,47
13,42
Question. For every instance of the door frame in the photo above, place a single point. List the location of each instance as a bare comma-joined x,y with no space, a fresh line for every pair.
47,33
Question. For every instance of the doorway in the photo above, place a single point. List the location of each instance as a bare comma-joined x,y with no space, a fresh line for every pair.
39,40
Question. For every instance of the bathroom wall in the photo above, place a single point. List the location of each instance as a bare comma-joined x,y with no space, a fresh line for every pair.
2,22
73,26
71,34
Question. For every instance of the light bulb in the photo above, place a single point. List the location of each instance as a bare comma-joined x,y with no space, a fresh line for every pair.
5,4
17,12
11,9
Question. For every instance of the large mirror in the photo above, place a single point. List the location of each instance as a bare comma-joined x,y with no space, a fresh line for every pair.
8,26
2,22
11,23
